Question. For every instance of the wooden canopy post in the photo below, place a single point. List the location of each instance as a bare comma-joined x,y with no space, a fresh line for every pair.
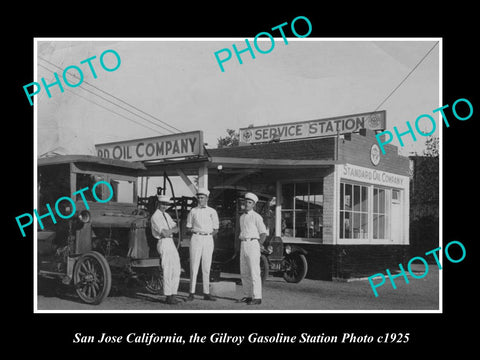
187,181
203,176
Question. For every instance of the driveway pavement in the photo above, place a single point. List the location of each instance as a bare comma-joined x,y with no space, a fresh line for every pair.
310,295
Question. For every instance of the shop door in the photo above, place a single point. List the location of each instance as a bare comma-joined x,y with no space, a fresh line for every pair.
397,218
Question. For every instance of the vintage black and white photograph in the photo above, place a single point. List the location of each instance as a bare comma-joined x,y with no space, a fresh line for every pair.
264,174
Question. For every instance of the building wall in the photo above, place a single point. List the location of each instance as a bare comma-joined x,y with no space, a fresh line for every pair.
342,262
329,213
330,260
357,151
308,149
358,261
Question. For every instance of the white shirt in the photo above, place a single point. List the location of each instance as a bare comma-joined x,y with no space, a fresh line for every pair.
161,222
203,219
251,225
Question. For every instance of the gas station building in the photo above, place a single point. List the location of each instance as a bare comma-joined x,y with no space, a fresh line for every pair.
331,192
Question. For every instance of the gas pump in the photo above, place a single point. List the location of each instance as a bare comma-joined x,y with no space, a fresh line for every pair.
178,210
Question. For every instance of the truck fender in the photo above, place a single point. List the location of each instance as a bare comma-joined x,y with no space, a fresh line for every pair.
298,249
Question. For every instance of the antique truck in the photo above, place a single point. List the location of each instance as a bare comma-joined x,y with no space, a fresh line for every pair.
103,241
111,242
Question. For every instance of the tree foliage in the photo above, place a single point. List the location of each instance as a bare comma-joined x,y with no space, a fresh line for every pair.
425,183
432,147
232,139
424,198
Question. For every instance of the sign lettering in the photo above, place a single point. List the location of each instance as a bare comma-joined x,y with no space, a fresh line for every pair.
155,148
314,128
358,173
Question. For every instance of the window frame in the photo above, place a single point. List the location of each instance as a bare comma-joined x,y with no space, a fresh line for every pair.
352,210
294,210
387,239
387,213
105,177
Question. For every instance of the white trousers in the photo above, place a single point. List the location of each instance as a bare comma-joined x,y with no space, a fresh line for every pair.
201,248
250,269
170,265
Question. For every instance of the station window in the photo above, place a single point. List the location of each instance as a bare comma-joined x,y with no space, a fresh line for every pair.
302,210
380,213
353,211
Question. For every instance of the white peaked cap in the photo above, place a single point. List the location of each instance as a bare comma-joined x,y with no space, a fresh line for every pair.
251,196
164,199
203,191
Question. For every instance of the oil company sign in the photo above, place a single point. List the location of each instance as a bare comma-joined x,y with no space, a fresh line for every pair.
154,148
314,128
374,176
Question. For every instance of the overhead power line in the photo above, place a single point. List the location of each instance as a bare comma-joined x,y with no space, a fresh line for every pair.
114,112
120,100
406,77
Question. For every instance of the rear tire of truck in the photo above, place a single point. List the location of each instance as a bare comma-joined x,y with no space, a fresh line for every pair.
92,277
296,268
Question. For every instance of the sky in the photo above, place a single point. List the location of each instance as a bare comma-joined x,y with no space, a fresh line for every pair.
179,83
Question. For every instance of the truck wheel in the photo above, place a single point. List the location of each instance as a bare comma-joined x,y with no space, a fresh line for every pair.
154,282
295,268
264,267
92,277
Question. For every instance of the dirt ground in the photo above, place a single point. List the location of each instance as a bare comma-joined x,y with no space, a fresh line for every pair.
417,295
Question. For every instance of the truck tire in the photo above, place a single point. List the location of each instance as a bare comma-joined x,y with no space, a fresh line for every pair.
92,277
296,268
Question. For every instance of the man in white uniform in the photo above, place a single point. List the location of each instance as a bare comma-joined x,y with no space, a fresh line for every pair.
162,229
252,235
202,222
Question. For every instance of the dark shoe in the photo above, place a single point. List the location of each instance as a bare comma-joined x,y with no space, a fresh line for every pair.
209,297
172,300
244,300
255,302
190,297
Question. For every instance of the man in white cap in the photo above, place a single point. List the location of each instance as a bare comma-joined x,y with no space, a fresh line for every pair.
202,222
162,229
252,235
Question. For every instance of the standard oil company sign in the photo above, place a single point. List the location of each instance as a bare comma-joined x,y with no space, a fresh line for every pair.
379,177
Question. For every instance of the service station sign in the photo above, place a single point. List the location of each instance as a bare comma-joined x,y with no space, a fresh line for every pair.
155,148
314,128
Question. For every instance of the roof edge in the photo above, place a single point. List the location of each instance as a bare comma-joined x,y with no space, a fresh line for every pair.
65,159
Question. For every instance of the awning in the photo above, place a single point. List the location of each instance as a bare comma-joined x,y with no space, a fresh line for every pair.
66,159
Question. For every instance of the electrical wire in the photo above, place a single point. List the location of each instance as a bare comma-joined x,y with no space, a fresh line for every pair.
107,93
406,77
134,107
114,112
115,97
